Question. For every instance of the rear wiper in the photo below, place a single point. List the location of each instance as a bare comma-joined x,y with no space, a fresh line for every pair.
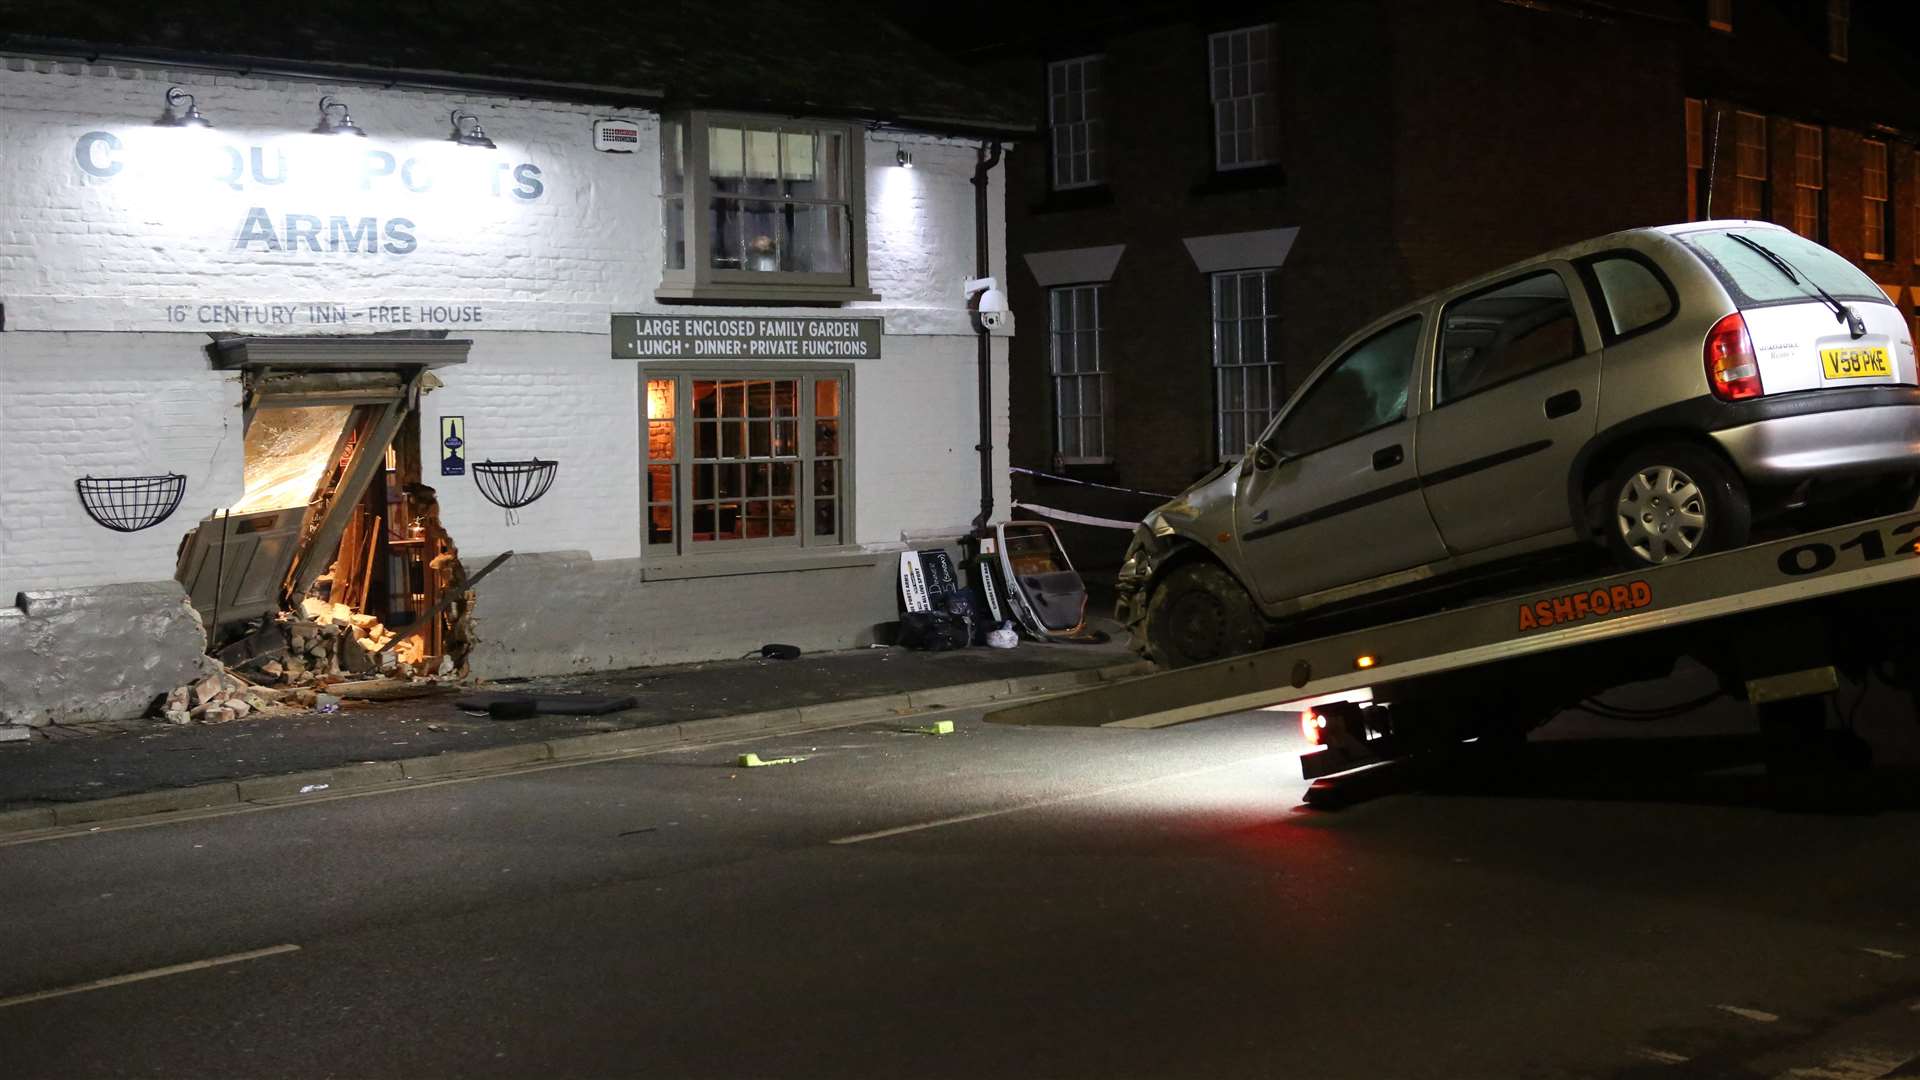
1841,312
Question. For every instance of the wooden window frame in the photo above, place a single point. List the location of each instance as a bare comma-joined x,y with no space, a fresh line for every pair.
1809,182
807,460
1696,112
1873,208
1271,371
1057,339
1084,167
1745,173
1261,107
698,279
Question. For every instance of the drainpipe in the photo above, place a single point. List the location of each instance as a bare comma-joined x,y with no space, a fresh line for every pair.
986,160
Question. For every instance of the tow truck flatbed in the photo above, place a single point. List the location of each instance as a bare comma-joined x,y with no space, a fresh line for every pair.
1773,621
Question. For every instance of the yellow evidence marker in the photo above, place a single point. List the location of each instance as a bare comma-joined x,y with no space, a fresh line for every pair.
753,761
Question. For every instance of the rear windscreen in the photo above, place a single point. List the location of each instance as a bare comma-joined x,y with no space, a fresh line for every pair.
1754,281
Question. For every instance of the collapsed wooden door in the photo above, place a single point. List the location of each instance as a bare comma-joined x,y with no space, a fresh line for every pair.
316,436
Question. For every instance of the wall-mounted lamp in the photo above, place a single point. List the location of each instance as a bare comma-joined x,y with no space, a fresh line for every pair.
190,118
902,157
469,136
329,126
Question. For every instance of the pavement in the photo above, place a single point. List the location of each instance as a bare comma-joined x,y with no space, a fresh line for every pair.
98,772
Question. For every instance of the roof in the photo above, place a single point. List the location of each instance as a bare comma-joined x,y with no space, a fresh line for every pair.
800,57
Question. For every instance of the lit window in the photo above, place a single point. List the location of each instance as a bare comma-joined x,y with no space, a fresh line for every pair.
1873,199
1696,158
1809,181
1839,22
1248,384
1074,116
1720,15
757,209
1080,400
1750,166
1244,129
745,459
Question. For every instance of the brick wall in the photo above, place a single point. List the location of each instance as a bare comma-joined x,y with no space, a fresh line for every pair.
1422,142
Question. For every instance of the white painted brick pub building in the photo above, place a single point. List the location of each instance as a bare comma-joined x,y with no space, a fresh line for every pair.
745,342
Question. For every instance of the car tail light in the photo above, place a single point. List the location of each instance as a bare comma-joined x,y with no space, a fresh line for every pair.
1732,369
1312,725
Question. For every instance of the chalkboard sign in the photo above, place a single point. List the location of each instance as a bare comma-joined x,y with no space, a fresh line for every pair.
937,566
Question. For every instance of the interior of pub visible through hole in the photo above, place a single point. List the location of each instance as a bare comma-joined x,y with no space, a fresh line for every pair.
333,564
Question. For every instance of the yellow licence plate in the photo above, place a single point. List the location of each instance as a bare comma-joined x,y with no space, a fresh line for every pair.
1855,363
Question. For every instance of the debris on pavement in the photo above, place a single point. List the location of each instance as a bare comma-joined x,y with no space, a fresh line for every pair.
939,727
754,761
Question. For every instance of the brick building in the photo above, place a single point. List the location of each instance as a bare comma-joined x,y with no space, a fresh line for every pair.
1224,192
690,267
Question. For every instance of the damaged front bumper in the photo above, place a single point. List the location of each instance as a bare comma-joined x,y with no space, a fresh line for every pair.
1131,586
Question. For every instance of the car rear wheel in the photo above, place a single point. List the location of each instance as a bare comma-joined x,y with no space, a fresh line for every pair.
1672,502
1200,613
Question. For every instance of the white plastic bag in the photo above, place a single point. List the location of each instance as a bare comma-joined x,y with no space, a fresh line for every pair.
1003,638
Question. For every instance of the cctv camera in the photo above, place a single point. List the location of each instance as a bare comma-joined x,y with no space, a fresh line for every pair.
987,302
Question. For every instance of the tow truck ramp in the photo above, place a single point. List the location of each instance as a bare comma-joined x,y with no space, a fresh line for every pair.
1580,634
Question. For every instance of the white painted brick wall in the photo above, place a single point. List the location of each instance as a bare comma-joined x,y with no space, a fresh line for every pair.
554,396
80,254
106,405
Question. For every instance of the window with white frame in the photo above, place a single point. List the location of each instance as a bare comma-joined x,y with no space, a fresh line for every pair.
1750,166
1696,156
1873,199
1720,15
1809,182
1839,25
1242,68
1248,383
1075,118
756,208
1080,399
746,458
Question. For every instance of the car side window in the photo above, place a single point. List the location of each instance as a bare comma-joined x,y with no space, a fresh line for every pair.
1502,333
1365,389
1633,295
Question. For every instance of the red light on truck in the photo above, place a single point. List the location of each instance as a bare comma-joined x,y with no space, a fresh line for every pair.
1311,725
1733,371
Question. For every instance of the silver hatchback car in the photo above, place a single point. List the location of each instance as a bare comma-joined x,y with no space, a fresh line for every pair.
1652,390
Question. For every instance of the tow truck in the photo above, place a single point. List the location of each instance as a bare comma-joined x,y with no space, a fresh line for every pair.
1779,624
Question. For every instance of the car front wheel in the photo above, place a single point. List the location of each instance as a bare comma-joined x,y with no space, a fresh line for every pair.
1672,502
1200,613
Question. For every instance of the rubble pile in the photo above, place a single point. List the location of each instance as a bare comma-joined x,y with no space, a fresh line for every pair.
221,697
333,639
306,660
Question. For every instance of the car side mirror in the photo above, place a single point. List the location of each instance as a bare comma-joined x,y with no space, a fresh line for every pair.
1264,457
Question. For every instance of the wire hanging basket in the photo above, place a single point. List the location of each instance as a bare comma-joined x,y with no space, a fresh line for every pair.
513,484
131,503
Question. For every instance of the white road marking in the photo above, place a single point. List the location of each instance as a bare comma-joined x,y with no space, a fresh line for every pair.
959,819
142,976
1664,1057
1887,954
1749,1014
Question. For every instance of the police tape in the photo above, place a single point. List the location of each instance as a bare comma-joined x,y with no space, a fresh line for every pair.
1076,519
1083,483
